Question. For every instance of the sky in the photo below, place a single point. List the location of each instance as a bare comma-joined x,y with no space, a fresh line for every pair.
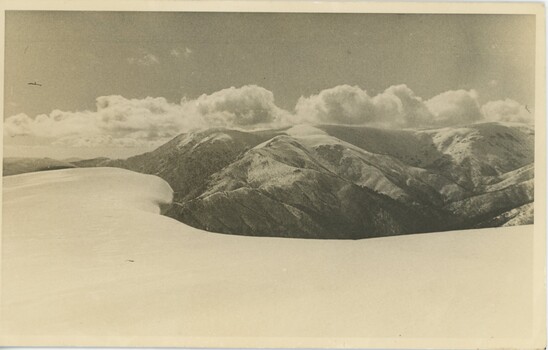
118,83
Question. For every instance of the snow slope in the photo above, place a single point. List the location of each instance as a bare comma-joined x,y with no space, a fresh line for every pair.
87,259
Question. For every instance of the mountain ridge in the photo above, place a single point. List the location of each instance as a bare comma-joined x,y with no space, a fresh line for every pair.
345,182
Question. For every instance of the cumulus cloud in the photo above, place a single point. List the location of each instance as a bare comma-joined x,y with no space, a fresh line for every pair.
397,106
147,118
455,107
249,105
507,111
18,125
343,104
121,122
117,121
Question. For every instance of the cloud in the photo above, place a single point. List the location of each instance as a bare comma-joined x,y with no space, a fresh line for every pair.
56,124
18,125
114,121
102,141
148,118
397,106
493,83
454,108
121,122
177,52
507,111
343,104
144,59
249,105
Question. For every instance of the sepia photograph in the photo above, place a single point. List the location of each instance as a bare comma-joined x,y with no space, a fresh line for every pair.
260,175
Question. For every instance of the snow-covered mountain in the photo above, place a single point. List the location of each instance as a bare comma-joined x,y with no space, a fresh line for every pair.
333,181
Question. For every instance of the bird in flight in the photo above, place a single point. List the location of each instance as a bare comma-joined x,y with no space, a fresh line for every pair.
527,109
34,83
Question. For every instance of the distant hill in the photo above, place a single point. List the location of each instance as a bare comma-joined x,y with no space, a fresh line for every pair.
93,162
16,165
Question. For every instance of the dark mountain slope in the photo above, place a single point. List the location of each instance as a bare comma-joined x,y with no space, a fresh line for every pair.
468,155
94,162
14,166
331,181
278,189
188,160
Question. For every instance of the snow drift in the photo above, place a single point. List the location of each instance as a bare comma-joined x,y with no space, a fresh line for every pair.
88,260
